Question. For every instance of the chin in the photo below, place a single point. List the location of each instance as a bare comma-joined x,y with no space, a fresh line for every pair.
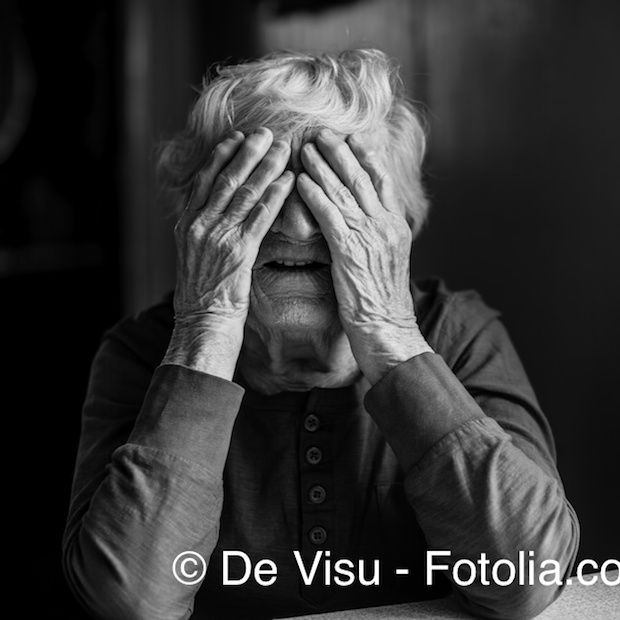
295,342
294,314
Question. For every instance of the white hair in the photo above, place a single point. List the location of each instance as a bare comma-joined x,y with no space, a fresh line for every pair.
355,91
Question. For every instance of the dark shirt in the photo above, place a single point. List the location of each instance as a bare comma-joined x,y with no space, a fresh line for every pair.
448,451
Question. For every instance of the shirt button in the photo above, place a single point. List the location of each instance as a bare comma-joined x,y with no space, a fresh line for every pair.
311,423
317,494
314,455
317,535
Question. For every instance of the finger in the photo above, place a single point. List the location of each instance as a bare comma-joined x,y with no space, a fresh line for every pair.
372,162
220,157
331,220
270,168
262,216
228,181
333,188
345,164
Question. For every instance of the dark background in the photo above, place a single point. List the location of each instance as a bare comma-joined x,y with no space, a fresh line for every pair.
523,169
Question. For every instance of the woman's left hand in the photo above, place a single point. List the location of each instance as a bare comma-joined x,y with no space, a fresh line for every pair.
352,197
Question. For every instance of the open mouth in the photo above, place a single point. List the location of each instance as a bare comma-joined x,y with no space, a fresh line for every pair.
294,277
289,265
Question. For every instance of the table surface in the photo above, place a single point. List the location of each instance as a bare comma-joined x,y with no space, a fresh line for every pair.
577,602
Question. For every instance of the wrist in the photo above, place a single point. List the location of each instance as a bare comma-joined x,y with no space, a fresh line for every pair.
206,343
378,349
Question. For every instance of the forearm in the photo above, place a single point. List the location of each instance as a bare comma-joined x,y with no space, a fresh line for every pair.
473,490
160,495
118,557
480,498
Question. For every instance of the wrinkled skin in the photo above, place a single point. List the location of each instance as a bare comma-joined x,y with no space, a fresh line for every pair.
352,197
308,272
236,199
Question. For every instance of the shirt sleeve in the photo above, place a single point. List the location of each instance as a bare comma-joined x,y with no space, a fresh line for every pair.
147,485
480,470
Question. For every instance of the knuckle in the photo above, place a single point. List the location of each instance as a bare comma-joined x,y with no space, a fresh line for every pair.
361,181
224,183
343,193
370,156
195,231
247,194
383,181
261,207
269,166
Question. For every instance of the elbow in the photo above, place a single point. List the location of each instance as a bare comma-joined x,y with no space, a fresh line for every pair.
534,584
107,593
534,587
103,597
513,603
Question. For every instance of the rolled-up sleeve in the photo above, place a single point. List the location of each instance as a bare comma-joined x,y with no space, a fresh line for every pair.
146,488
480,472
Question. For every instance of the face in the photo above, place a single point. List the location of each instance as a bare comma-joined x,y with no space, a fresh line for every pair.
292,286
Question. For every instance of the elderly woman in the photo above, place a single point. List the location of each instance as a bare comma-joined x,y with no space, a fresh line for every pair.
300,421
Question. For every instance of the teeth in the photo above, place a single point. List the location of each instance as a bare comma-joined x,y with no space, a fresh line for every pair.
290,263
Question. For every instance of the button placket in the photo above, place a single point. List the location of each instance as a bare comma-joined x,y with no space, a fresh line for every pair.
317,500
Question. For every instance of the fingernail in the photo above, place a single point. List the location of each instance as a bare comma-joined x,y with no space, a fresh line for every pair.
263,132
235,135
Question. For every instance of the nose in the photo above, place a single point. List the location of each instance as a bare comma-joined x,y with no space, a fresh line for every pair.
295,221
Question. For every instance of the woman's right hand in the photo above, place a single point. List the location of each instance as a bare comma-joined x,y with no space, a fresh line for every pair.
236,198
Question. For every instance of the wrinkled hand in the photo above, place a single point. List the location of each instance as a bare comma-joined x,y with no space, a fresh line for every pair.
351,195
235,200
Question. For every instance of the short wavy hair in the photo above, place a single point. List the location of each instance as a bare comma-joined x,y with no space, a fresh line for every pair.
349,92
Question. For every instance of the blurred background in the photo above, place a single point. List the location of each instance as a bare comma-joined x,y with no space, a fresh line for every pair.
522,99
